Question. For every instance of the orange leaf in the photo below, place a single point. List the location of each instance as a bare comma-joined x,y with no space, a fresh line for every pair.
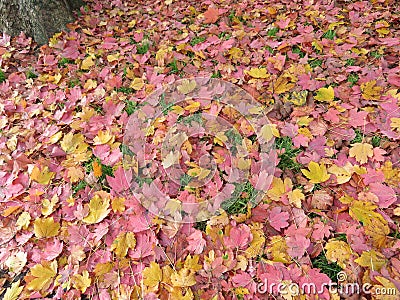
97,169
211,15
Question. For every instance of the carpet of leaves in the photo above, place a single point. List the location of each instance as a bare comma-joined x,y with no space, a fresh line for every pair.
330,71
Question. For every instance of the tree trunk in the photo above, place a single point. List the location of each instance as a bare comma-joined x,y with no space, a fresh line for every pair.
39,19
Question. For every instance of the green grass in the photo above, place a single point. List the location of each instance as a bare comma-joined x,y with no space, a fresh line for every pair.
174,67
224,36
31,75
395,234
353,78
64,61
315,63
297,50
79,186
143,180
73,82
196,117
330,35
216,74
185,180
359,137
197,40
330,269
142,48
125,90
350,62
2,76
376,141
166,107
201,225
242,195
125,150
130,107
341,237
272,32
288,157
375,54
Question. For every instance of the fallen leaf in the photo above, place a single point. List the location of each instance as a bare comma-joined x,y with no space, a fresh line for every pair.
361,151
317,173
44,274
46,227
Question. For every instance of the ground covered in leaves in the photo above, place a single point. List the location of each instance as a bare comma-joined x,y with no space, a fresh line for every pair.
70,227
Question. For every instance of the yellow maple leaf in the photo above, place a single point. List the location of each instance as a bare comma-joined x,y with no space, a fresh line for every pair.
317,173
112,57
75,174
183,278
152,275
282,84
45,227
98,208
198,172
364,212
44,274
122,243
48,205
257,243
296,197
378,232
382,27
243,163
118,204
187,86
370,91
343,174
257,73
361,151
278,248
90,84
55,138
73,143
24,220
325,94
298,98
103,268
338,251
13,291
193,107
395,124
104,137
279,188
87,63
192,263
81,282
236,53
268,131
137,84
392,175
42,176
371,259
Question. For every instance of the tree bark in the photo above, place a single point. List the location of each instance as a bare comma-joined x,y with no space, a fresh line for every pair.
39,19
